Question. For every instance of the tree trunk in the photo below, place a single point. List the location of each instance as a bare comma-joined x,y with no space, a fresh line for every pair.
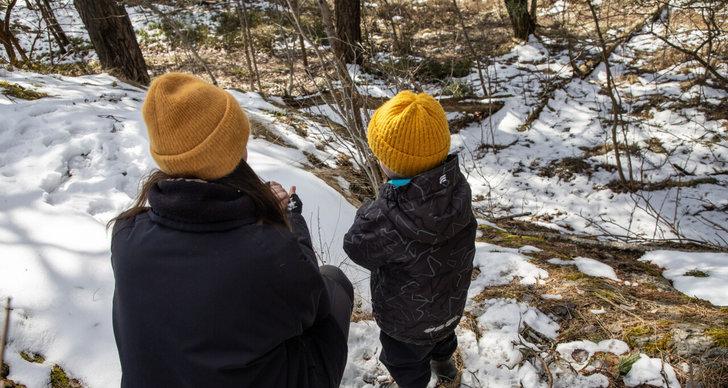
8,39
113,38
329,29
522,22
250,45
296,11
50,18
244,37
348,29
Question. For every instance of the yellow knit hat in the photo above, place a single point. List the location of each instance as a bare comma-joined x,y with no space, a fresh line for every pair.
409,133
195,129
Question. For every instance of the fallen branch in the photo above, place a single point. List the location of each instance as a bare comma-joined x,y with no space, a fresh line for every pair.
589,66
586,68
620,307
641,246
509,217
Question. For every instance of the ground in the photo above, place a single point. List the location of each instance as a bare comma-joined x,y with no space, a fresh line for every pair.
642,308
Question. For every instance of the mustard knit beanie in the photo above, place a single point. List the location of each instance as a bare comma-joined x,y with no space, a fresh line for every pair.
409,133
195,129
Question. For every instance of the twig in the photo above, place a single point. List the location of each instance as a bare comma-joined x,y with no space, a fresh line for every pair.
721,227
535,353
181,35
620,307
509,217
5,340
470,46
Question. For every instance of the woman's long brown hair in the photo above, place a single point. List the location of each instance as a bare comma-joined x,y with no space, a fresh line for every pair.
242,178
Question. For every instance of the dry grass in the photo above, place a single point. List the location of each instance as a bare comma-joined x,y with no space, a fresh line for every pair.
650,317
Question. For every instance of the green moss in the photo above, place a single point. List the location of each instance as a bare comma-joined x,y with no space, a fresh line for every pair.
59,378
660,346
696,273
575,276
635,332
32,357
504,238
720,336
606,294
17,91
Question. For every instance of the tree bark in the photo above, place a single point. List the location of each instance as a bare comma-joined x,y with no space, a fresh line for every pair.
348,29
522,22
296,11
50,18
113,38
8,39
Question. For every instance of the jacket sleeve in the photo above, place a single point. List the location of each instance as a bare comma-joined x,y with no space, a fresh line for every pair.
299,277
303,236
372,240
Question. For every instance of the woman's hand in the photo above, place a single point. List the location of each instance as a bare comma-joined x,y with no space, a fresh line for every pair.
280,193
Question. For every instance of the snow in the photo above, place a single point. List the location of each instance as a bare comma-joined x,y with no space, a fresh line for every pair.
678,266
579,353
589,266
651,371
503,265
71,162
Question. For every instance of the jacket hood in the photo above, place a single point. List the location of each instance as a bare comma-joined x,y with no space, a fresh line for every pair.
430,208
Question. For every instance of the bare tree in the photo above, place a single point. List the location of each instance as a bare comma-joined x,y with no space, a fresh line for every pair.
617,119
348,29
8,38
395,39
113,38
523,23
708,48
248,47
296,10
181,35
344,100
53,26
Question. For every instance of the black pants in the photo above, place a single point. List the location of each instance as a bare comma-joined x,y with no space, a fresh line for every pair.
328,338
409,364
341,295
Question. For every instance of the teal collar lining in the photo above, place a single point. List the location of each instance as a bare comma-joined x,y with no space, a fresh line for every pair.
399,182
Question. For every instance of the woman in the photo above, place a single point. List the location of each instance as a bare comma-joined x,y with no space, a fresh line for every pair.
216,280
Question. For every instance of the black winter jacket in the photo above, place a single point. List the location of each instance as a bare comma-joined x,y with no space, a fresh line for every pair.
207,297
418,241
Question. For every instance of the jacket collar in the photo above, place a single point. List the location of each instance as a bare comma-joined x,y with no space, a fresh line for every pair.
194,205
439,178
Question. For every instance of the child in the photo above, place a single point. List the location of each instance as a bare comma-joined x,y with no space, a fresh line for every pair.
417,239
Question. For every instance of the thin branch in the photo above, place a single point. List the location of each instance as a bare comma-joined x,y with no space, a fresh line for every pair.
181,35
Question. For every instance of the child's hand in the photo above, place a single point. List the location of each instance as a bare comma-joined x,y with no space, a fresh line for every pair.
295,205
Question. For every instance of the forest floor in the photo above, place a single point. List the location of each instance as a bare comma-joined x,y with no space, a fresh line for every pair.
643,309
